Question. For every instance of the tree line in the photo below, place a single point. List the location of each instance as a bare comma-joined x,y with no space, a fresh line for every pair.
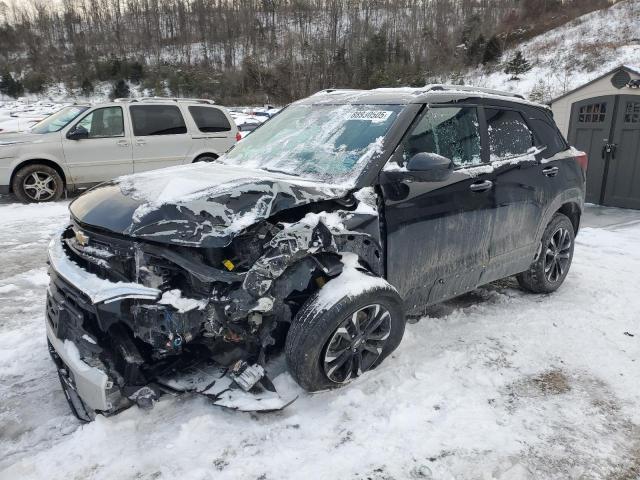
259,50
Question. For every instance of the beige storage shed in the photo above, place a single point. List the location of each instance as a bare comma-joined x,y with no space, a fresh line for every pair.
602,118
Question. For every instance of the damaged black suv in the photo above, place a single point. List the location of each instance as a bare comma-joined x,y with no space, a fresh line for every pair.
318,235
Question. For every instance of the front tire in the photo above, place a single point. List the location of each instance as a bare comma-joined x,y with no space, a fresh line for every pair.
330,344
549,270
37,183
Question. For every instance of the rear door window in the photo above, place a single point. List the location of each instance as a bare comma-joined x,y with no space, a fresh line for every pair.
509,135
210,119
451,132
157,120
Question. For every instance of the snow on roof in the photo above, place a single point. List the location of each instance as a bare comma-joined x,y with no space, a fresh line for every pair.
419,94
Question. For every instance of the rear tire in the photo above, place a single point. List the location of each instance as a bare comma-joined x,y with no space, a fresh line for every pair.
549,270
206,158
37,183
322,336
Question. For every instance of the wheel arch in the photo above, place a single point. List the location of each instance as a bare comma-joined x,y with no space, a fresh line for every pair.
573,212
570,203
35,161
205,154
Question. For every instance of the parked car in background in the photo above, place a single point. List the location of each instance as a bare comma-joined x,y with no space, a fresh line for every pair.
317,236
246,128
82,145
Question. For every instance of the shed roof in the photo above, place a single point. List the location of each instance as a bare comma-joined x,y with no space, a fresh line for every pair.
627,68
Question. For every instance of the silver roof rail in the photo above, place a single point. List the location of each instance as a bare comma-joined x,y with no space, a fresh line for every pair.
165,99
434,87
337,90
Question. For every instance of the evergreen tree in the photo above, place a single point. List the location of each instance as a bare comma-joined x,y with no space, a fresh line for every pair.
34,82
120,90
9,86
492,50
475,50
86,87
5,83
517,66
136,72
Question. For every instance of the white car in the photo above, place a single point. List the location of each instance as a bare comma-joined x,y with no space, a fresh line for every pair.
82,145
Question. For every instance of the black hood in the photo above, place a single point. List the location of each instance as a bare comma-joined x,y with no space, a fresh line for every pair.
204,205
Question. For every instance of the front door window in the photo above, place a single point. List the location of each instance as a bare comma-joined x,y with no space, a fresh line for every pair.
103,122
451,132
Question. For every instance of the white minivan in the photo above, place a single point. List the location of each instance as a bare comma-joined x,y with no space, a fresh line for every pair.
82,145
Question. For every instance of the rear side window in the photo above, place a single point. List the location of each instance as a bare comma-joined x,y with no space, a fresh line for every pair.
210,119
547,136
451,132
509,135
157,120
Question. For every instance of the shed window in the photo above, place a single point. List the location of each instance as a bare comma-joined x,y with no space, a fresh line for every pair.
632,112
593,113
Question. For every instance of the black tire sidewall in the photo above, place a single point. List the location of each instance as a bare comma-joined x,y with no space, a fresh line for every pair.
24,172
535,279
206,159
311,330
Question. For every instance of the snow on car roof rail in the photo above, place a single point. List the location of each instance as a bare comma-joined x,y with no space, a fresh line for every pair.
165,99
462,88
428,94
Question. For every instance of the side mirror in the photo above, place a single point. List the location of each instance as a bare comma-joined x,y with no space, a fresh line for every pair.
78,133
429,167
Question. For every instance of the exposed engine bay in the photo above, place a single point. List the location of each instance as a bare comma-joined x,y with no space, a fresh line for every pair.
147,318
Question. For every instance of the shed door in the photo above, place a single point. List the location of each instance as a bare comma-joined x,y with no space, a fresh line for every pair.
589,131
623,176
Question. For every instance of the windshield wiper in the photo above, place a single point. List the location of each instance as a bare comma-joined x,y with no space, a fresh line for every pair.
273,170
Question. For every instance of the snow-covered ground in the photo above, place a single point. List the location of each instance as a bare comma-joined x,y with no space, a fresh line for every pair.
494,384
572,54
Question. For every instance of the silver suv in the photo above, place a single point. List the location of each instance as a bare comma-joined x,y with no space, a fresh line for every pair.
82,145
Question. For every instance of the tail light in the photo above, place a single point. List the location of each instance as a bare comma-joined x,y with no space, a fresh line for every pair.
238,136
582,160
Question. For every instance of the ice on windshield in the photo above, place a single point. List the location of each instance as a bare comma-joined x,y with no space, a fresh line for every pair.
331,143
58,120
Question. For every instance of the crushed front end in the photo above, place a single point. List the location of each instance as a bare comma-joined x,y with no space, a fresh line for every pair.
130,320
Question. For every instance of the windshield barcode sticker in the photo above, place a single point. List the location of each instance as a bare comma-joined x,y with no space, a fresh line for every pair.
372,115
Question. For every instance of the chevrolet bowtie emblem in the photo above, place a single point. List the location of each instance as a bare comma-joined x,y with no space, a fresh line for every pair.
81,238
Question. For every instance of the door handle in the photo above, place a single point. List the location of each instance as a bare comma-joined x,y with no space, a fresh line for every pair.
140,141
550,171
609,148
481,186
123,143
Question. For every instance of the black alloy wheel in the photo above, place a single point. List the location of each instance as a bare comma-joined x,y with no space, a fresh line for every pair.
357,343
557,255
553,260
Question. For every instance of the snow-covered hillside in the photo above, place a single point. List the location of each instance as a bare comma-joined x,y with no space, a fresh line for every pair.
572,54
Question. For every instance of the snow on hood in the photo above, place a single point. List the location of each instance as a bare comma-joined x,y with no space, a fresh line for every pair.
204,204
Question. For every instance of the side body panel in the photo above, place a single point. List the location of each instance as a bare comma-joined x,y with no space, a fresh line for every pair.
437,237
151,152
93,160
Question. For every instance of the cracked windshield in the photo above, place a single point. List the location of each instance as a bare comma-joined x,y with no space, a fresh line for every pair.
331,143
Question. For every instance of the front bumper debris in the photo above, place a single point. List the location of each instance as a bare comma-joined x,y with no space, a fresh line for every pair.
95,288
223,388
101,364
